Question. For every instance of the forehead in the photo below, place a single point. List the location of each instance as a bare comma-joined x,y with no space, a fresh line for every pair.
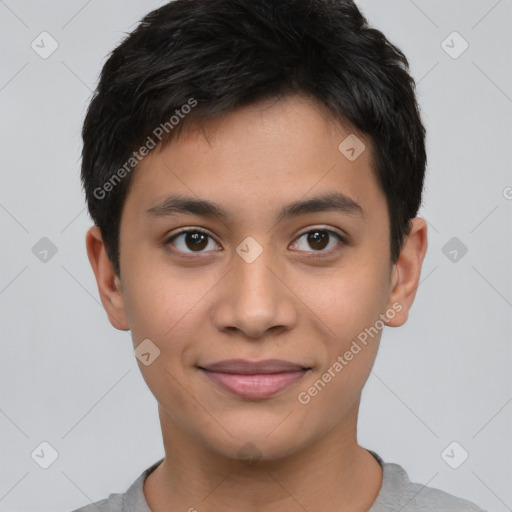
265,154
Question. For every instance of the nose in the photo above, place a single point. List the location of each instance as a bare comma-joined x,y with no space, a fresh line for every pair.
255,299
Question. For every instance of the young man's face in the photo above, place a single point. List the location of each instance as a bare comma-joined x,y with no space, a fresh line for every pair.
258,286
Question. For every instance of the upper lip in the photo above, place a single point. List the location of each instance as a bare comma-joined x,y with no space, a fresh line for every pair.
242,366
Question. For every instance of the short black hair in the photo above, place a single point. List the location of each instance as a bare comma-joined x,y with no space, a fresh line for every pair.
193,60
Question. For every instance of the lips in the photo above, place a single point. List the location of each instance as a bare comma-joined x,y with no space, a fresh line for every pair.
241,366
254,380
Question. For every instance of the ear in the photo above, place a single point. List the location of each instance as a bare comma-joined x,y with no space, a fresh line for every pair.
109,284
405,276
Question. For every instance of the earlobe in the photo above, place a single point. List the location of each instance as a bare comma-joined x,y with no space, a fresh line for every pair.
406,272
109,284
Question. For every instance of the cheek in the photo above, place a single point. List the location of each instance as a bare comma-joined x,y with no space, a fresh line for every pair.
351,309
158,298
358,299
169,311
347,299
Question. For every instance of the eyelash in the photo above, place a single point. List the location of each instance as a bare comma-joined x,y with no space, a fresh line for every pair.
312,254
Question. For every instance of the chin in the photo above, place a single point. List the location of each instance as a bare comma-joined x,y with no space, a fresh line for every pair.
252,445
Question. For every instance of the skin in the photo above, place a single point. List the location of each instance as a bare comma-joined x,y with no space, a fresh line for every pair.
203,307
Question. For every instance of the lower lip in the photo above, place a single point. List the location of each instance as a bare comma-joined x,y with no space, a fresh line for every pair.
255,386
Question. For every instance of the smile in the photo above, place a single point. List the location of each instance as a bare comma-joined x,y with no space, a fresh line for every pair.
254,386
254,380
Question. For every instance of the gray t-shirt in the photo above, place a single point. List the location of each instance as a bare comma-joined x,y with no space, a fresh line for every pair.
397,494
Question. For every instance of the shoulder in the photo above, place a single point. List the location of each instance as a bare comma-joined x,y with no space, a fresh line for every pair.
133,500
399,493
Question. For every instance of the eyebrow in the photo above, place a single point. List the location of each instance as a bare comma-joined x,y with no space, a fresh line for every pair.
331,201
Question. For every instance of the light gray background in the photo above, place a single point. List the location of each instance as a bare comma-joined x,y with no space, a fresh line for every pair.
70,379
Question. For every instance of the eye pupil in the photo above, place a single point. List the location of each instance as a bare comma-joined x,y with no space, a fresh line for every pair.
199,240
316,239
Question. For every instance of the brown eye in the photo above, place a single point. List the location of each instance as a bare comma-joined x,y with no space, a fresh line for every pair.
193,240
318,239
196,241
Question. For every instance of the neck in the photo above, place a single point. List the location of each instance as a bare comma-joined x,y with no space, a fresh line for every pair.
333,470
